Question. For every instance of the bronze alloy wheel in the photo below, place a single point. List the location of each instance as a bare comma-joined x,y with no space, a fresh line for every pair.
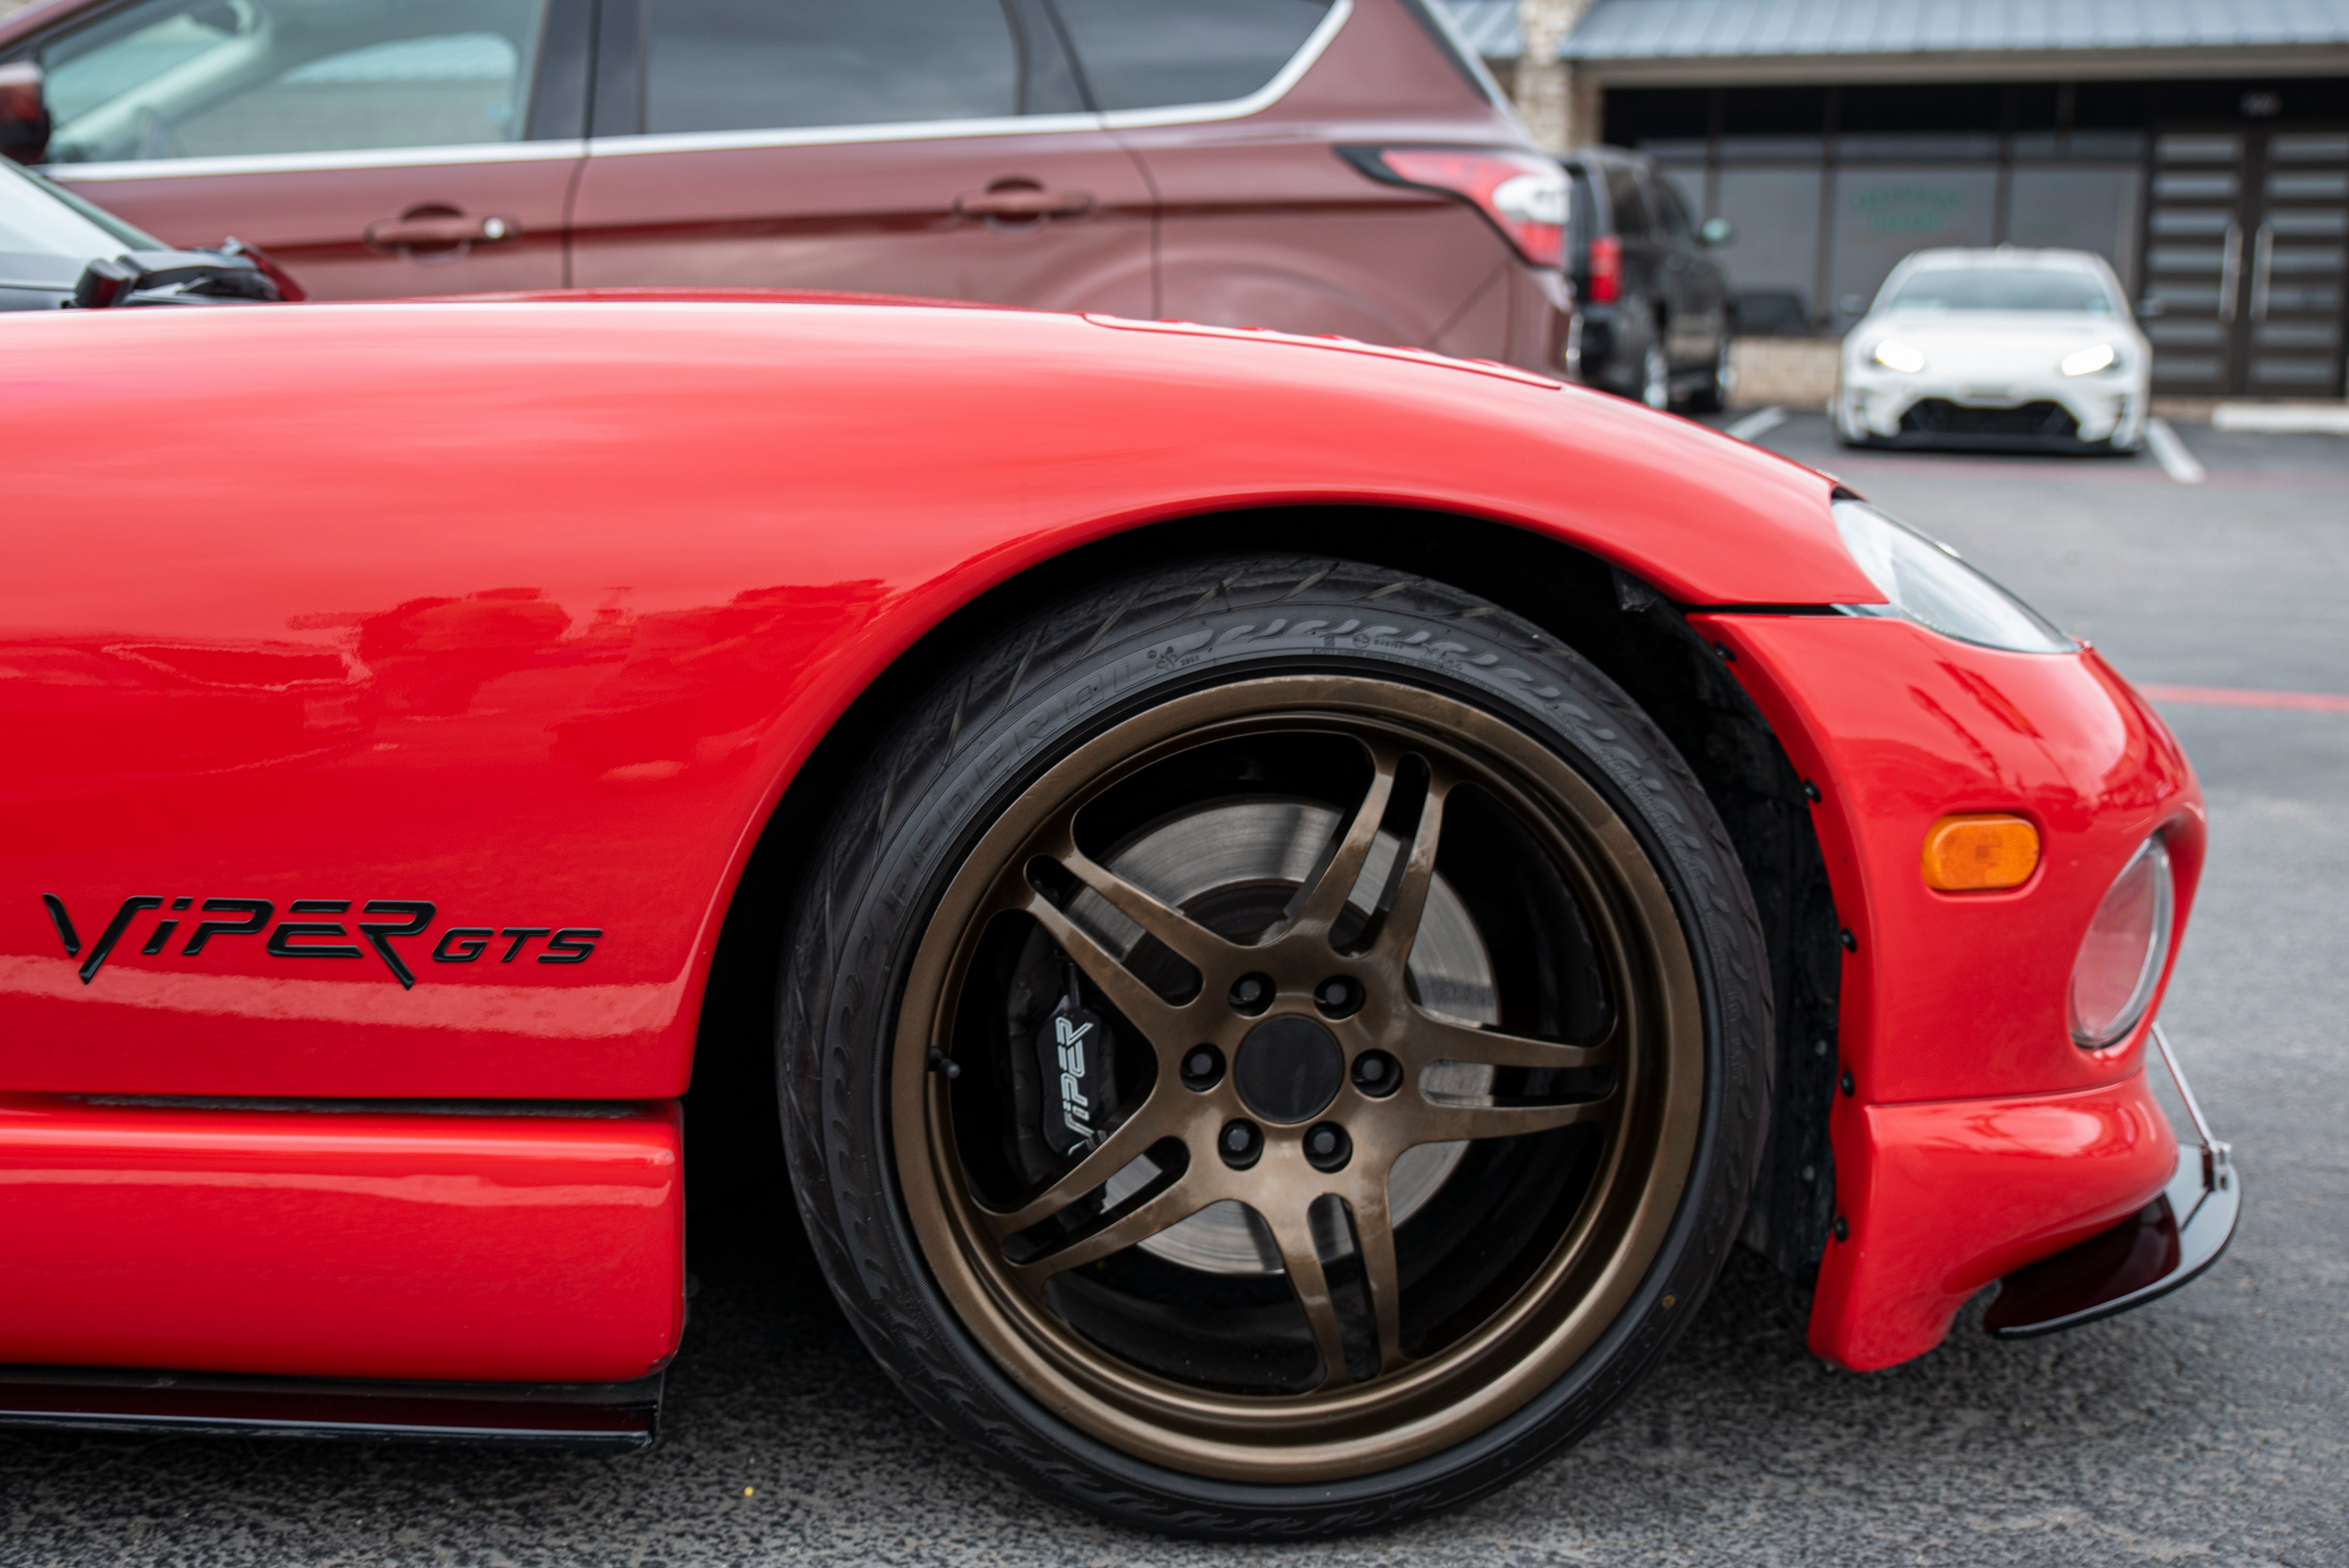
1290,1064
1271,1047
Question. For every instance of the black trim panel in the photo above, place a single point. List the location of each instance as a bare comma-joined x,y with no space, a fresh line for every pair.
612,1416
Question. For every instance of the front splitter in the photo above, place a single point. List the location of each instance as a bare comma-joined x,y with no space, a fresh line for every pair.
2162,1246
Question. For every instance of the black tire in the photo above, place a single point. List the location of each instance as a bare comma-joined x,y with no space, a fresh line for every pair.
1655,388
1713,396
970,748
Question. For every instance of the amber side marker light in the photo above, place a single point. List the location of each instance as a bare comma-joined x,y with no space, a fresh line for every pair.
1978,854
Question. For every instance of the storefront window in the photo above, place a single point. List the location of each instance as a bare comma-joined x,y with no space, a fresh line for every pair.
2076,209
1772,259
1883,213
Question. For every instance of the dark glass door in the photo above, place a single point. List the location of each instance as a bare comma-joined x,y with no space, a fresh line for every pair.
2247,263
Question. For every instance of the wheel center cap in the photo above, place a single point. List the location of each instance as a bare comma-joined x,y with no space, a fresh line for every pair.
1288,1069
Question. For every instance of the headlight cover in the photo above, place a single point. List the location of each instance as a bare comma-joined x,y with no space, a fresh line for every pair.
1929,584
2121,957
2088,361
1899,357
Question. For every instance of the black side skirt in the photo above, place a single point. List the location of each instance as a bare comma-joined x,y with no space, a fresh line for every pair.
609,1416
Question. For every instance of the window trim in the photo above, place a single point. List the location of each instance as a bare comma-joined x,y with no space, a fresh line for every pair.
313,162
564,49
1308,55
640,143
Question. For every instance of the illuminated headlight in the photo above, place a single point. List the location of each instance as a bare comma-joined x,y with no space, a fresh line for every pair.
1929,584
1899,357
2088,361
2121,958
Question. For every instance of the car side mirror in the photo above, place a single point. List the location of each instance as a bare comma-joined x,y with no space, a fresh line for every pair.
1716,232
23,112
2149,308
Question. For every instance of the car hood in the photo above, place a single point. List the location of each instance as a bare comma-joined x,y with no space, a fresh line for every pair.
1992,339
42,269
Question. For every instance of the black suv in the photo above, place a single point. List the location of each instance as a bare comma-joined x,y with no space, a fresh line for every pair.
1655,305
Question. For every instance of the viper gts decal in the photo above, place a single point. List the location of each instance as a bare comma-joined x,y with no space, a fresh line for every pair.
315,939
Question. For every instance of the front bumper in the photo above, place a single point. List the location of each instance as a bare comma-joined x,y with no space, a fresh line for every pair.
1972,1137
2162,1246
2095,411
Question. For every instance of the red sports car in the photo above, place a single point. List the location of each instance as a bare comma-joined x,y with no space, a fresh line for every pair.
1298,897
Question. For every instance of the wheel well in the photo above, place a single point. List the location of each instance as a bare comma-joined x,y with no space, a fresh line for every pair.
1629,630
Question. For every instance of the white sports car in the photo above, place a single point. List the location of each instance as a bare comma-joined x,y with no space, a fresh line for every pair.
1999,347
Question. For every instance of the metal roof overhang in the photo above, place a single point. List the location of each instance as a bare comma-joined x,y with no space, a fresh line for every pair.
1958,65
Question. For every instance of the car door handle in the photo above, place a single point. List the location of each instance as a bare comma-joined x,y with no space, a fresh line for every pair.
1022,202
441,232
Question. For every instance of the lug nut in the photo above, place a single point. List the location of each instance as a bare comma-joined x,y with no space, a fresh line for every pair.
1377,1074
1241,1144
1326,1147
1338,996
1252,994
1202,1068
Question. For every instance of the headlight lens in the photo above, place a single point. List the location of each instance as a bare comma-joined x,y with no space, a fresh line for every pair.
1928,583
2087,362
2121,958
1899,357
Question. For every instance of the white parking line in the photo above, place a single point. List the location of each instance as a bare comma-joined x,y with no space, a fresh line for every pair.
2171,454
1760,422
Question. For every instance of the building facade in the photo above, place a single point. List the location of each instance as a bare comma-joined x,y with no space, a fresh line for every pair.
2201,146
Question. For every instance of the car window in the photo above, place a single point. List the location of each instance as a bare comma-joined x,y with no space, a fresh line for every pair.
1155,54
1675,219
1630,204
196,79
743,65
2003,289
37,219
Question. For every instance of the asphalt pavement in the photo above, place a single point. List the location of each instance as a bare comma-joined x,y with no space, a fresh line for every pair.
2212,1425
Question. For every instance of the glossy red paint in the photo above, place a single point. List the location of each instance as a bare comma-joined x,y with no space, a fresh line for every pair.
477,641
1952,1001
531,612
1942,1197
492,1248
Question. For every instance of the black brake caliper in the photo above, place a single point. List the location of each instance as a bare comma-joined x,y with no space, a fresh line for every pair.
1076,1053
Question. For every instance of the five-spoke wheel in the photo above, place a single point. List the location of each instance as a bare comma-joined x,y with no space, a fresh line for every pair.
1272,1066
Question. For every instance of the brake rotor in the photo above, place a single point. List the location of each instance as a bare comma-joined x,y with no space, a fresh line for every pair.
1233,866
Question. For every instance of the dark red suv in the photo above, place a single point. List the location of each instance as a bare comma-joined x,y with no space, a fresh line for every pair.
1335,166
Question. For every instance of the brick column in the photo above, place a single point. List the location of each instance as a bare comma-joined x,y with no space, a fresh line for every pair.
1560,112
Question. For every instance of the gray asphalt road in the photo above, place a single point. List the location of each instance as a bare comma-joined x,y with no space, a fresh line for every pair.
2212,1425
